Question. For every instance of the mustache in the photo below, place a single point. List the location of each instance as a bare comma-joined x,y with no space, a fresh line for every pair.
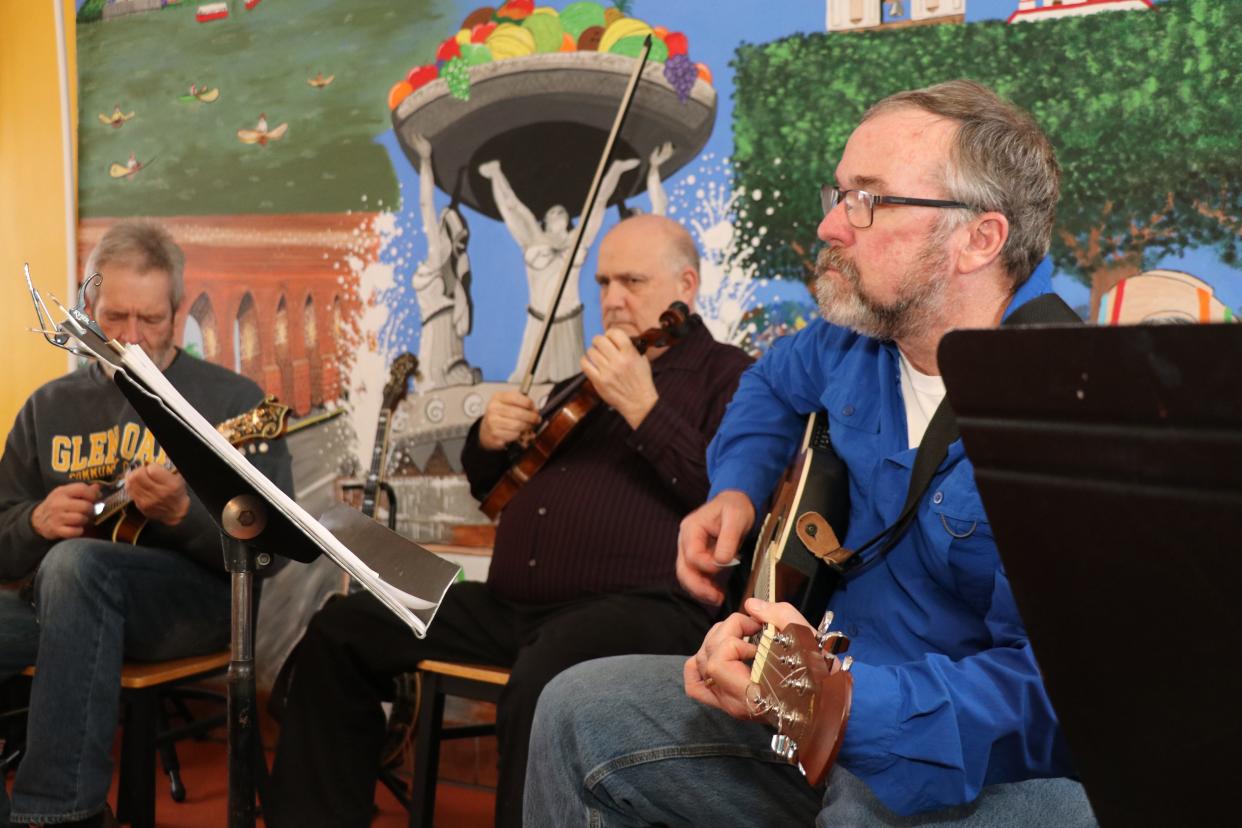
831,258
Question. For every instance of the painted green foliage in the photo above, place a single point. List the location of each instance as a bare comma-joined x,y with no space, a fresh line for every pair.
260,61
90,11
1141,106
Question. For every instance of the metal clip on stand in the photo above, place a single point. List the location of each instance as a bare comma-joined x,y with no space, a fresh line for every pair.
243,519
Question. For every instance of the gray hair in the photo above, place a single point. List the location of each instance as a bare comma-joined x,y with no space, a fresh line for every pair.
1001,161
146,246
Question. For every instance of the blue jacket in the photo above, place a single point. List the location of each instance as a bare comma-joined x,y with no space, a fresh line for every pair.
947,694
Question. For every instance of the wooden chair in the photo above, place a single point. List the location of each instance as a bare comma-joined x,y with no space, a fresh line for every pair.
440,679
143,687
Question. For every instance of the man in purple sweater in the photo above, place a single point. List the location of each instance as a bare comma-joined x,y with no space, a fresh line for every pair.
585,553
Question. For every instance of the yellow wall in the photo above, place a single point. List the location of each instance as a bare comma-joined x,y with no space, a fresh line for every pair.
32,207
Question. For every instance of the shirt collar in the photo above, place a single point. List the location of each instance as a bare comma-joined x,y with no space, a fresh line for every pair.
1039,283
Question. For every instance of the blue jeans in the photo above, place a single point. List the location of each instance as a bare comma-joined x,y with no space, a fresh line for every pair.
98,603
19,639
19,634
616,742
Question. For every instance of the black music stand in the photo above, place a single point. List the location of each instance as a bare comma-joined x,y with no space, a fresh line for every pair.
253,531
1110,464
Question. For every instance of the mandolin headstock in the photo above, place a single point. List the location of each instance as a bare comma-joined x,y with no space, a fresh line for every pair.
800,686
266,421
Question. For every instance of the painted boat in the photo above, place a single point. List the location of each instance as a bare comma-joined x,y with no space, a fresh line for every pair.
254,136
211,11
206,96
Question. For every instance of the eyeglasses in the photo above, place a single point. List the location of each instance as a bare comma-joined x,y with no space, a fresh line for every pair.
860,204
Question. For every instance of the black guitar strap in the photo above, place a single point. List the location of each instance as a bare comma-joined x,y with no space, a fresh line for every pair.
1046,309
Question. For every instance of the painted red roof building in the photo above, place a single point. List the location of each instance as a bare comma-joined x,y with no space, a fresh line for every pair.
1030,11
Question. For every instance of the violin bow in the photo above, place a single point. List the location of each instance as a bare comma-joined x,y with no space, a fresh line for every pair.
550,314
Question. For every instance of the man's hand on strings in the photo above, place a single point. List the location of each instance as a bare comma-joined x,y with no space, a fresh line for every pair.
708,544
158,493
621,376
65,512
510,417
719,673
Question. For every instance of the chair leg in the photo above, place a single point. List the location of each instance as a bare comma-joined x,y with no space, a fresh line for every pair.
172,768
136,791
8,760
426,753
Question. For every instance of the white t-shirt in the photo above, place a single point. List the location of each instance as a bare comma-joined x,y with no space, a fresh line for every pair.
922,394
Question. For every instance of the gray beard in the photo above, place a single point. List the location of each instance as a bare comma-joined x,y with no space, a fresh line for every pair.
920,296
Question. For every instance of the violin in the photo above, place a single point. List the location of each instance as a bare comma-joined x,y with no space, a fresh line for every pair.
570,407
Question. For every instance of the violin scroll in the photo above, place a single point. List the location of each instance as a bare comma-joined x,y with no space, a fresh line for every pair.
675,324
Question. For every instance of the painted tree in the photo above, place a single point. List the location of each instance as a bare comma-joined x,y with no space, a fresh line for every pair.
1140,106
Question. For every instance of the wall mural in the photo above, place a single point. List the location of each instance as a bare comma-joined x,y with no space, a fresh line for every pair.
354,180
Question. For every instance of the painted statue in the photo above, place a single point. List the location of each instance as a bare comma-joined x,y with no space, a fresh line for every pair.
442,283
545,246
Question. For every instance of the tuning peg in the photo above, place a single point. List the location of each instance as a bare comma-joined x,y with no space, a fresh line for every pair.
784,747
824,624
831,642
834,643
798,682
847,662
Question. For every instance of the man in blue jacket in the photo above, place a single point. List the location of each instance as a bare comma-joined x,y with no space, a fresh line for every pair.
939,218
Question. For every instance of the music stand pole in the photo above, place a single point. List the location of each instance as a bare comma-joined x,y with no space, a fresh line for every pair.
243,518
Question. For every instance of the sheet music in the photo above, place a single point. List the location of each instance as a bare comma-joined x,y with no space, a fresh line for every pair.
139,366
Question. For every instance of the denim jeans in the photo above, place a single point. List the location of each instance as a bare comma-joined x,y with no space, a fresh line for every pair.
616,742
19,639
98,603
19,634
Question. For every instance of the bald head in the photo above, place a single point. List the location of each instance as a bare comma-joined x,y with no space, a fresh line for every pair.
675,245
646,263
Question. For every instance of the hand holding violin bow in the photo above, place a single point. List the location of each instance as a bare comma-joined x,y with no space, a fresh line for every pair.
510,417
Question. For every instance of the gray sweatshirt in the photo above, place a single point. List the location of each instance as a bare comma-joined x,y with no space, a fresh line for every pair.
80,428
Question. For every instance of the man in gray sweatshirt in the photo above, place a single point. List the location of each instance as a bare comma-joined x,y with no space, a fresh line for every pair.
87,603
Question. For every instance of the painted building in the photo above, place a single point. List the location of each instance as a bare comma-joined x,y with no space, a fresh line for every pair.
1162,296
852,15
1030,11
